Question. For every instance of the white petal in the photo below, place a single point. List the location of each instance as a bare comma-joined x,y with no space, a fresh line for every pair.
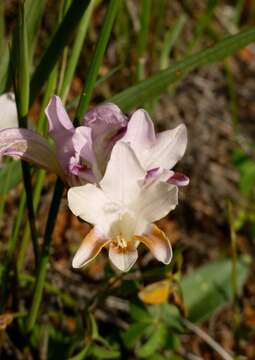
123,258
89,249
168,149
156,201
122,176
158,243
140,131
8,115
87,202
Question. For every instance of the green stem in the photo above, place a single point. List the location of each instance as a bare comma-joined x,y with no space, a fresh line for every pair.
22,99
42,269
97,58
77,47
25,239
41,129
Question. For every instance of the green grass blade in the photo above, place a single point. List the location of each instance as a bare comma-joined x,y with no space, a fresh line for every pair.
97,57
34,10
170,39
76,50
147,89
42,270
22,98
25,238
55,48
4,69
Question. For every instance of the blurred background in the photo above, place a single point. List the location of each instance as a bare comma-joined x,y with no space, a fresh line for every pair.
208,290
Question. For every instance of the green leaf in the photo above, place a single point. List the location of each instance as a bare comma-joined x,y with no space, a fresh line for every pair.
157,357
171,36
77,47
246,167
34,11
147,89
97,57
100,352
154,343
55,48
140,314
13,172
170,315
133,334
209,287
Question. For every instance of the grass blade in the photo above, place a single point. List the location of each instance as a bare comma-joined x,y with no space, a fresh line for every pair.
42,270
147,89
76,50
170,39
97,57
34,10
58,43
22,99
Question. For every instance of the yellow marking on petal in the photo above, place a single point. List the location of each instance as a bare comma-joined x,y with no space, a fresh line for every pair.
155,293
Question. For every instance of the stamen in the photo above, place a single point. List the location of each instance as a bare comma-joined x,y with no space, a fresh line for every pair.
121,241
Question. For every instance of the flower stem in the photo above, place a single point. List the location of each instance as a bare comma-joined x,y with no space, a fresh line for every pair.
42,269
22,101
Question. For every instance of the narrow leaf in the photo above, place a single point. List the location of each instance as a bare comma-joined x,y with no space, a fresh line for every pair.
59,41
138,94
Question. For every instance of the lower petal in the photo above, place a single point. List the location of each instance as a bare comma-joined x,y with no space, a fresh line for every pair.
91,246
158,243
123,258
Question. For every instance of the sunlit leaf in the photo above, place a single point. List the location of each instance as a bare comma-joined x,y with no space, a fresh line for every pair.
209,287
154,342
147,89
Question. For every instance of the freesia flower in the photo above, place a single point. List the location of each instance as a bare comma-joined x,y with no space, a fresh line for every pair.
157,153
81,153
8,114
123,208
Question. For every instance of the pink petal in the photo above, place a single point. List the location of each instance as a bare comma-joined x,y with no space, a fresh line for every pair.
123,258
157,174
179,179
91,246
61,130
140,132
82,143
108,125
27,145
158,243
